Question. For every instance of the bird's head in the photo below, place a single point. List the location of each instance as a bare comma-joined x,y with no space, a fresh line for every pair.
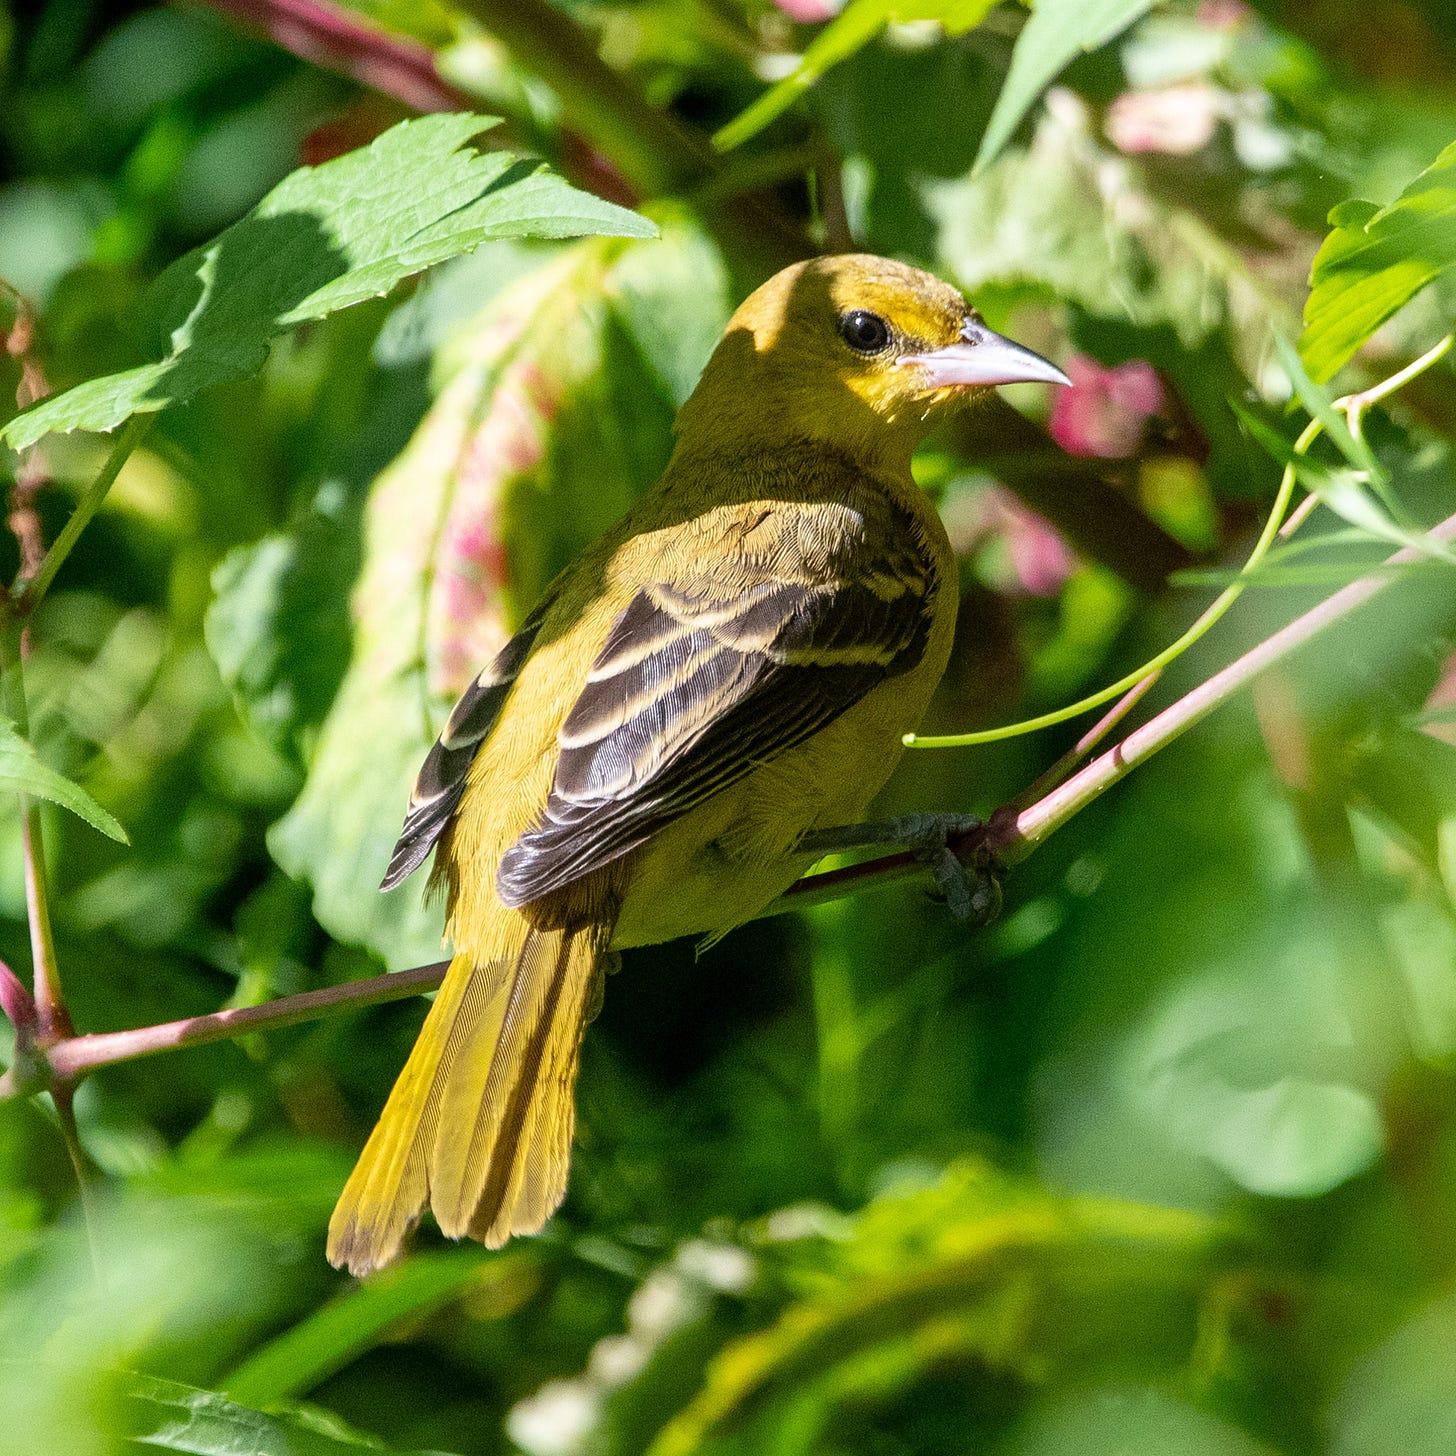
854,350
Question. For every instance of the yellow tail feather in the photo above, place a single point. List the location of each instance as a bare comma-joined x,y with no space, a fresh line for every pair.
479,1124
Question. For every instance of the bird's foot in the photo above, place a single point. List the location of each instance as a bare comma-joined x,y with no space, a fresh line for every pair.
971,892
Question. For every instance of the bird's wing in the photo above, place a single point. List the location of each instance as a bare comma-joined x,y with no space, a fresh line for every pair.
711,672
441,779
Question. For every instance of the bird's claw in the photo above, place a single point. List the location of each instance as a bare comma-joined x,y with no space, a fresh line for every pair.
971,892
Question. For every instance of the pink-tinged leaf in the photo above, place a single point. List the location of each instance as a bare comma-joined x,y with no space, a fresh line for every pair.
1106,411
544,431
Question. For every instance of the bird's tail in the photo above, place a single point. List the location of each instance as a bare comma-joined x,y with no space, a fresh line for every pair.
479,1124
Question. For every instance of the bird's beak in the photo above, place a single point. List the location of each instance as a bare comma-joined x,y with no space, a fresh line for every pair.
982,357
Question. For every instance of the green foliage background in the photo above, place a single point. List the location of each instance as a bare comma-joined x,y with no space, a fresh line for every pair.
1164,1161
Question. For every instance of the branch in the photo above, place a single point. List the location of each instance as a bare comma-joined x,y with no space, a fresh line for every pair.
338,40
1009,837
78,1055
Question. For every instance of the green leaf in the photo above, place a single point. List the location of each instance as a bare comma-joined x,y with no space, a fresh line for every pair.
1322,407
325,238
1375,261
965,1249
329,1338
1057,31
177,1417
1344,491
278,625
22,772
858,24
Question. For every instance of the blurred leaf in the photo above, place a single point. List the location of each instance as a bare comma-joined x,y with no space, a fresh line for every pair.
274,626
1127,1420
325,238
1065,220
1374,261
22,772
1057,31
922,1255
304,1355
179,1417
1345,492
856,25
1400,1400
1322,408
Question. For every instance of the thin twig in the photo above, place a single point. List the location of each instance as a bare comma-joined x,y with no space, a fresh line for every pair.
1087,742
30,476
80,1054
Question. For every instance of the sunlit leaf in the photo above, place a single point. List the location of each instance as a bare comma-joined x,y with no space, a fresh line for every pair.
1375,261
1057,32
22,772
858,24
325,238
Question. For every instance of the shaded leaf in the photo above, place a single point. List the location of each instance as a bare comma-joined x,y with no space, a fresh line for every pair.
177,1417
858,24
1376,260
922,1256
1056,33
1346,492
22,772
325,238
313,1349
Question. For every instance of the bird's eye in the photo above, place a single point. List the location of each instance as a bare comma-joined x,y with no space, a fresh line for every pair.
865,332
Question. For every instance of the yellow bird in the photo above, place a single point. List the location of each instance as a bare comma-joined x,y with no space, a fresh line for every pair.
676,731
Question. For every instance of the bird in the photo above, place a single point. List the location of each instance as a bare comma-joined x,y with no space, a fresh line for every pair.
682,725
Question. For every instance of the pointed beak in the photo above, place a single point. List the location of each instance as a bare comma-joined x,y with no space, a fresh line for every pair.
983,358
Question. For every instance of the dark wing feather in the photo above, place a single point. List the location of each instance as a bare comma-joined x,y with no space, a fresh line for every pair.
700,681
441,779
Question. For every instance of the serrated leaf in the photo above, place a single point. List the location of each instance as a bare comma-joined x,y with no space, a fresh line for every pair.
1375,261
858,24
325,238
22,772
1056,33
177,1417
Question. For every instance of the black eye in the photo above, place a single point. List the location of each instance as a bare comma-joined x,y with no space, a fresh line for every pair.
865,332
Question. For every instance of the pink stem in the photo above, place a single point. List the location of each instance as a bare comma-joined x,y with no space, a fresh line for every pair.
337,40
80,1054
